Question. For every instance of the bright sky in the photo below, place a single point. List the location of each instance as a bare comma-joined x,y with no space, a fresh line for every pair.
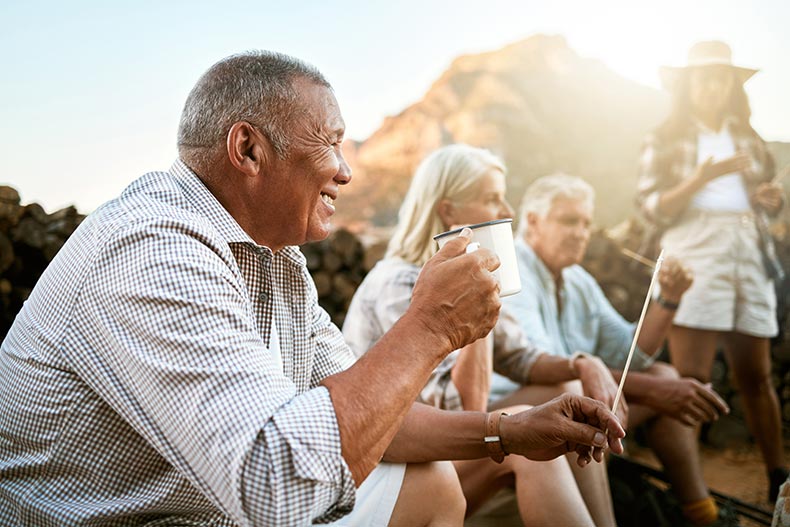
91,92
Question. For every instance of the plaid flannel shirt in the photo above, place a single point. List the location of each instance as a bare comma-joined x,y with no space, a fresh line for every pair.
136,385
663,164
384,296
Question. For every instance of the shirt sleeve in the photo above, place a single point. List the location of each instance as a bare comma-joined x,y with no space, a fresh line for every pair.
514,354
165,334
650,181
615,334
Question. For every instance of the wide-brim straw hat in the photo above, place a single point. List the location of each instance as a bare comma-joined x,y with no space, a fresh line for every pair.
708,53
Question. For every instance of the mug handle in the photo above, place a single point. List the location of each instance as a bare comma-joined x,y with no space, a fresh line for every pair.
472,247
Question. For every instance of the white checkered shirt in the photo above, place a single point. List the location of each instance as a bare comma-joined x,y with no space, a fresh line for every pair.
136,386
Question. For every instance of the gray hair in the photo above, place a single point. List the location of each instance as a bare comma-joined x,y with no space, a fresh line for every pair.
254,86
450,172
540,195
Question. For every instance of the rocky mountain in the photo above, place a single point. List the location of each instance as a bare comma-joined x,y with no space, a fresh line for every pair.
537,104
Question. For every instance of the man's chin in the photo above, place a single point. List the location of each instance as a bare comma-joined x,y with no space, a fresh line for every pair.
320,234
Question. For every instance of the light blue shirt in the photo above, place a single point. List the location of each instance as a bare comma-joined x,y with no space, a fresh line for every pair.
587,321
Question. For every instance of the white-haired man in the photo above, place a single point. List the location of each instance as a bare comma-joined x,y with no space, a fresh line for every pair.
564,311
173,367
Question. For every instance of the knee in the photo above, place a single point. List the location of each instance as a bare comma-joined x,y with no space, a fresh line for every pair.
663,370
441,483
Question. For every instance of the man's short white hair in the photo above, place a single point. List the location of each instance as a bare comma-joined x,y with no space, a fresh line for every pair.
540,195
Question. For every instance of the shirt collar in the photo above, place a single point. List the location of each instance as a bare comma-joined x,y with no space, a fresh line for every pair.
203,200
526,252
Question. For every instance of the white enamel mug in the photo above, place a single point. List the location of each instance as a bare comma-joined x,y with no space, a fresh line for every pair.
497,237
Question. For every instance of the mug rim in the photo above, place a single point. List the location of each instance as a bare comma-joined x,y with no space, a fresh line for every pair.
473,227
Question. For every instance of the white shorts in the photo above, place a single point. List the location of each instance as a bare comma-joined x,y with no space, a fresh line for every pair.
731,291
376,497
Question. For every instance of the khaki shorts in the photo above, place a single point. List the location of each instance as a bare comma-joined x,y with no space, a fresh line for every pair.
731,291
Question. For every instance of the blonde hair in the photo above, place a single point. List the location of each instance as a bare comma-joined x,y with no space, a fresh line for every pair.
449,173
540,195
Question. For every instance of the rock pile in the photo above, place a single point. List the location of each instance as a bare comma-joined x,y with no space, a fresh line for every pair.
29,239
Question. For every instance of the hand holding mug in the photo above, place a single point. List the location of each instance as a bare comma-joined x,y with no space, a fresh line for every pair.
456,294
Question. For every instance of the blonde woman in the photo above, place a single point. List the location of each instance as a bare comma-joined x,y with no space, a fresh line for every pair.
461,185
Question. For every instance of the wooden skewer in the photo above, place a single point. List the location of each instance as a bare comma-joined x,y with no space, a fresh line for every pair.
638,330
638,257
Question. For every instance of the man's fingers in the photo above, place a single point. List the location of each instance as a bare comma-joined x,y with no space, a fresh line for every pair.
683,418
456,246
713,398
583,456
708,412
695,413
586,436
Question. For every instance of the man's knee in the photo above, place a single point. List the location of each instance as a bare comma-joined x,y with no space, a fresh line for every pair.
443,482
662,370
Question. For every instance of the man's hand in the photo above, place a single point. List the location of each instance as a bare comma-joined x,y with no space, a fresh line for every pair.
674,279
687,400
456,295
568,423
599,384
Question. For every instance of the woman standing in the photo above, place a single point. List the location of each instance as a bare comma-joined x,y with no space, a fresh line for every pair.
461,185
706,180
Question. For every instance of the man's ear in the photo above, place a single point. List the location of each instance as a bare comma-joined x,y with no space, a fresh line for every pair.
248,149
447,212
533,221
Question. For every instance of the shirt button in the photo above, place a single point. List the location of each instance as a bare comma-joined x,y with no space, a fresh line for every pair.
264,297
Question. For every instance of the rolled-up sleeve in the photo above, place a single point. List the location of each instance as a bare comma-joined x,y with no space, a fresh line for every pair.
648,187
176,353
615,335
514,353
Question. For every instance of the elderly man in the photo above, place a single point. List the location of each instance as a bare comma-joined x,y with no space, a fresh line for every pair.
564,311
172,365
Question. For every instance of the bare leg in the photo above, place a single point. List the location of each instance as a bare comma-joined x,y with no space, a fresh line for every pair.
592,480
546,491
750,359
674,443
692,351
424,486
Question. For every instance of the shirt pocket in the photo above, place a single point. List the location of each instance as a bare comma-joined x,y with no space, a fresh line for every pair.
314,466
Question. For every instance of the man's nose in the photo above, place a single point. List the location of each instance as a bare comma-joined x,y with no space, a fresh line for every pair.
343,176
506,211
